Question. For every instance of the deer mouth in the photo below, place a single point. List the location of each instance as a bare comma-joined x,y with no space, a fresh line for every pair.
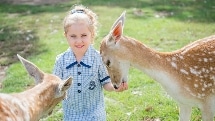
116,87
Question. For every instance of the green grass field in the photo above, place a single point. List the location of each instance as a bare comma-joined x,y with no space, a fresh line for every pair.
36,32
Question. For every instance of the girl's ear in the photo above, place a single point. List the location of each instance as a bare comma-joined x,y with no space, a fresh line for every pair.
64,34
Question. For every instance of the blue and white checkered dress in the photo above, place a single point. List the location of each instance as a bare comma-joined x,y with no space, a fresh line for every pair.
85,98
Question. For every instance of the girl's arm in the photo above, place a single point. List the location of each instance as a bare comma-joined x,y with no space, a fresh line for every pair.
109,87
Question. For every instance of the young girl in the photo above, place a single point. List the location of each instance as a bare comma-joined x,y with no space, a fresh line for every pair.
85,99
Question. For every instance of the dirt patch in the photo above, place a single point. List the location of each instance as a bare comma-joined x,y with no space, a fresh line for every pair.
8,55
33,2
14,41
2,74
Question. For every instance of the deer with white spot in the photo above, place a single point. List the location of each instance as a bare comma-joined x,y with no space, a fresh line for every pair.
187,74
37,102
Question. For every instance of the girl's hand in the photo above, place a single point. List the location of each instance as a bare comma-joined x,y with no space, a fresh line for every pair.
122,87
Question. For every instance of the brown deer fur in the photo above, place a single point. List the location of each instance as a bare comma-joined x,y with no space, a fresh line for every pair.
37,102
187,74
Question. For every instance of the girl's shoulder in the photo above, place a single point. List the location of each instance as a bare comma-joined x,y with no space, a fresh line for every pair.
98,57
64,54
95,52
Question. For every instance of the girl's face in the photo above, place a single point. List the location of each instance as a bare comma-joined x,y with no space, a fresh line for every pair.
79,38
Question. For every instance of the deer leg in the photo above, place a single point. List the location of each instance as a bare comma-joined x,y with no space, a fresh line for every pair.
185,112
207,112
207,116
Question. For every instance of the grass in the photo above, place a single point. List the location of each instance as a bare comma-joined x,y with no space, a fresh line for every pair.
36,33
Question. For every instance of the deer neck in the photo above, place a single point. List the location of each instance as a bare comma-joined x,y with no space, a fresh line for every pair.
141,56
153,63
39,99
184,68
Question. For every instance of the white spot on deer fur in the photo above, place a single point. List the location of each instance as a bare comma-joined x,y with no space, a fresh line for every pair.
181,57
134,43
9,119
210,84
205,60
210,59
193,71
188,89
184,71
196,53
173,58
199,59
193,94
207,71
203,54
195,67
173,64
158,56
212,78
199,95
205,85
196,85
188,78
203,89
203,69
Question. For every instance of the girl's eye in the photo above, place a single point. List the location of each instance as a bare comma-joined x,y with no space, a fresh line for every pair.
84,35
73,36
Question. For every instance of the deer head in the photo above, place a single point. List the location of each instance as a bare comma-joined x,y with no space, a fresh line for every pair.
50,88
117,68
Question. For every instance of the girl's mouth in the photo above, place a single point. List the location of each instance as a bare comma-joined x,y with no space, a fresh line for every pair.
79,46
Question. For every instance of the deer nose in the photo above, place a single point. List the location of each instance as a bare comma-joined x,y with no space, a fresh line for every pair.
115,87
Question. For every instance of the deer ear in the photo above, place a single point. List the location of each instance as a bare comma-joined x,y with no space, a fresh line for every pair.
63,87
117,28
32,70
65,84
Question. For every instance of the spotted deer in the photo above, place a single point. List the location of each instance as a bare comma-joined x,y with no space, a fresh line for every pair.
37,102
187,74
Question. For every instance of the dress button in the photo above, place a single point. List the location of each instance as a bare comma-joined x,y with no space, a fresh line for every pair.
79,84
79,65
79,91
79,73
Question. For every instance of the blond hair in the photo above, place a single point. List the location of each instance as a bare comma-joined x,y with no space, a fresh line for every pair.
81,13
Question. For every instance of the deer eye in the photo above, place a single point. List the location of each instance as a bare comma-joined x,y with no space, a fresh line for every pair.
108,63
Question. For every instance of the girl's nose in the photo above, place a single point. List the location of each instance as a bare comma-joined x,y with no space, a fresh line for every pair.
79,40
